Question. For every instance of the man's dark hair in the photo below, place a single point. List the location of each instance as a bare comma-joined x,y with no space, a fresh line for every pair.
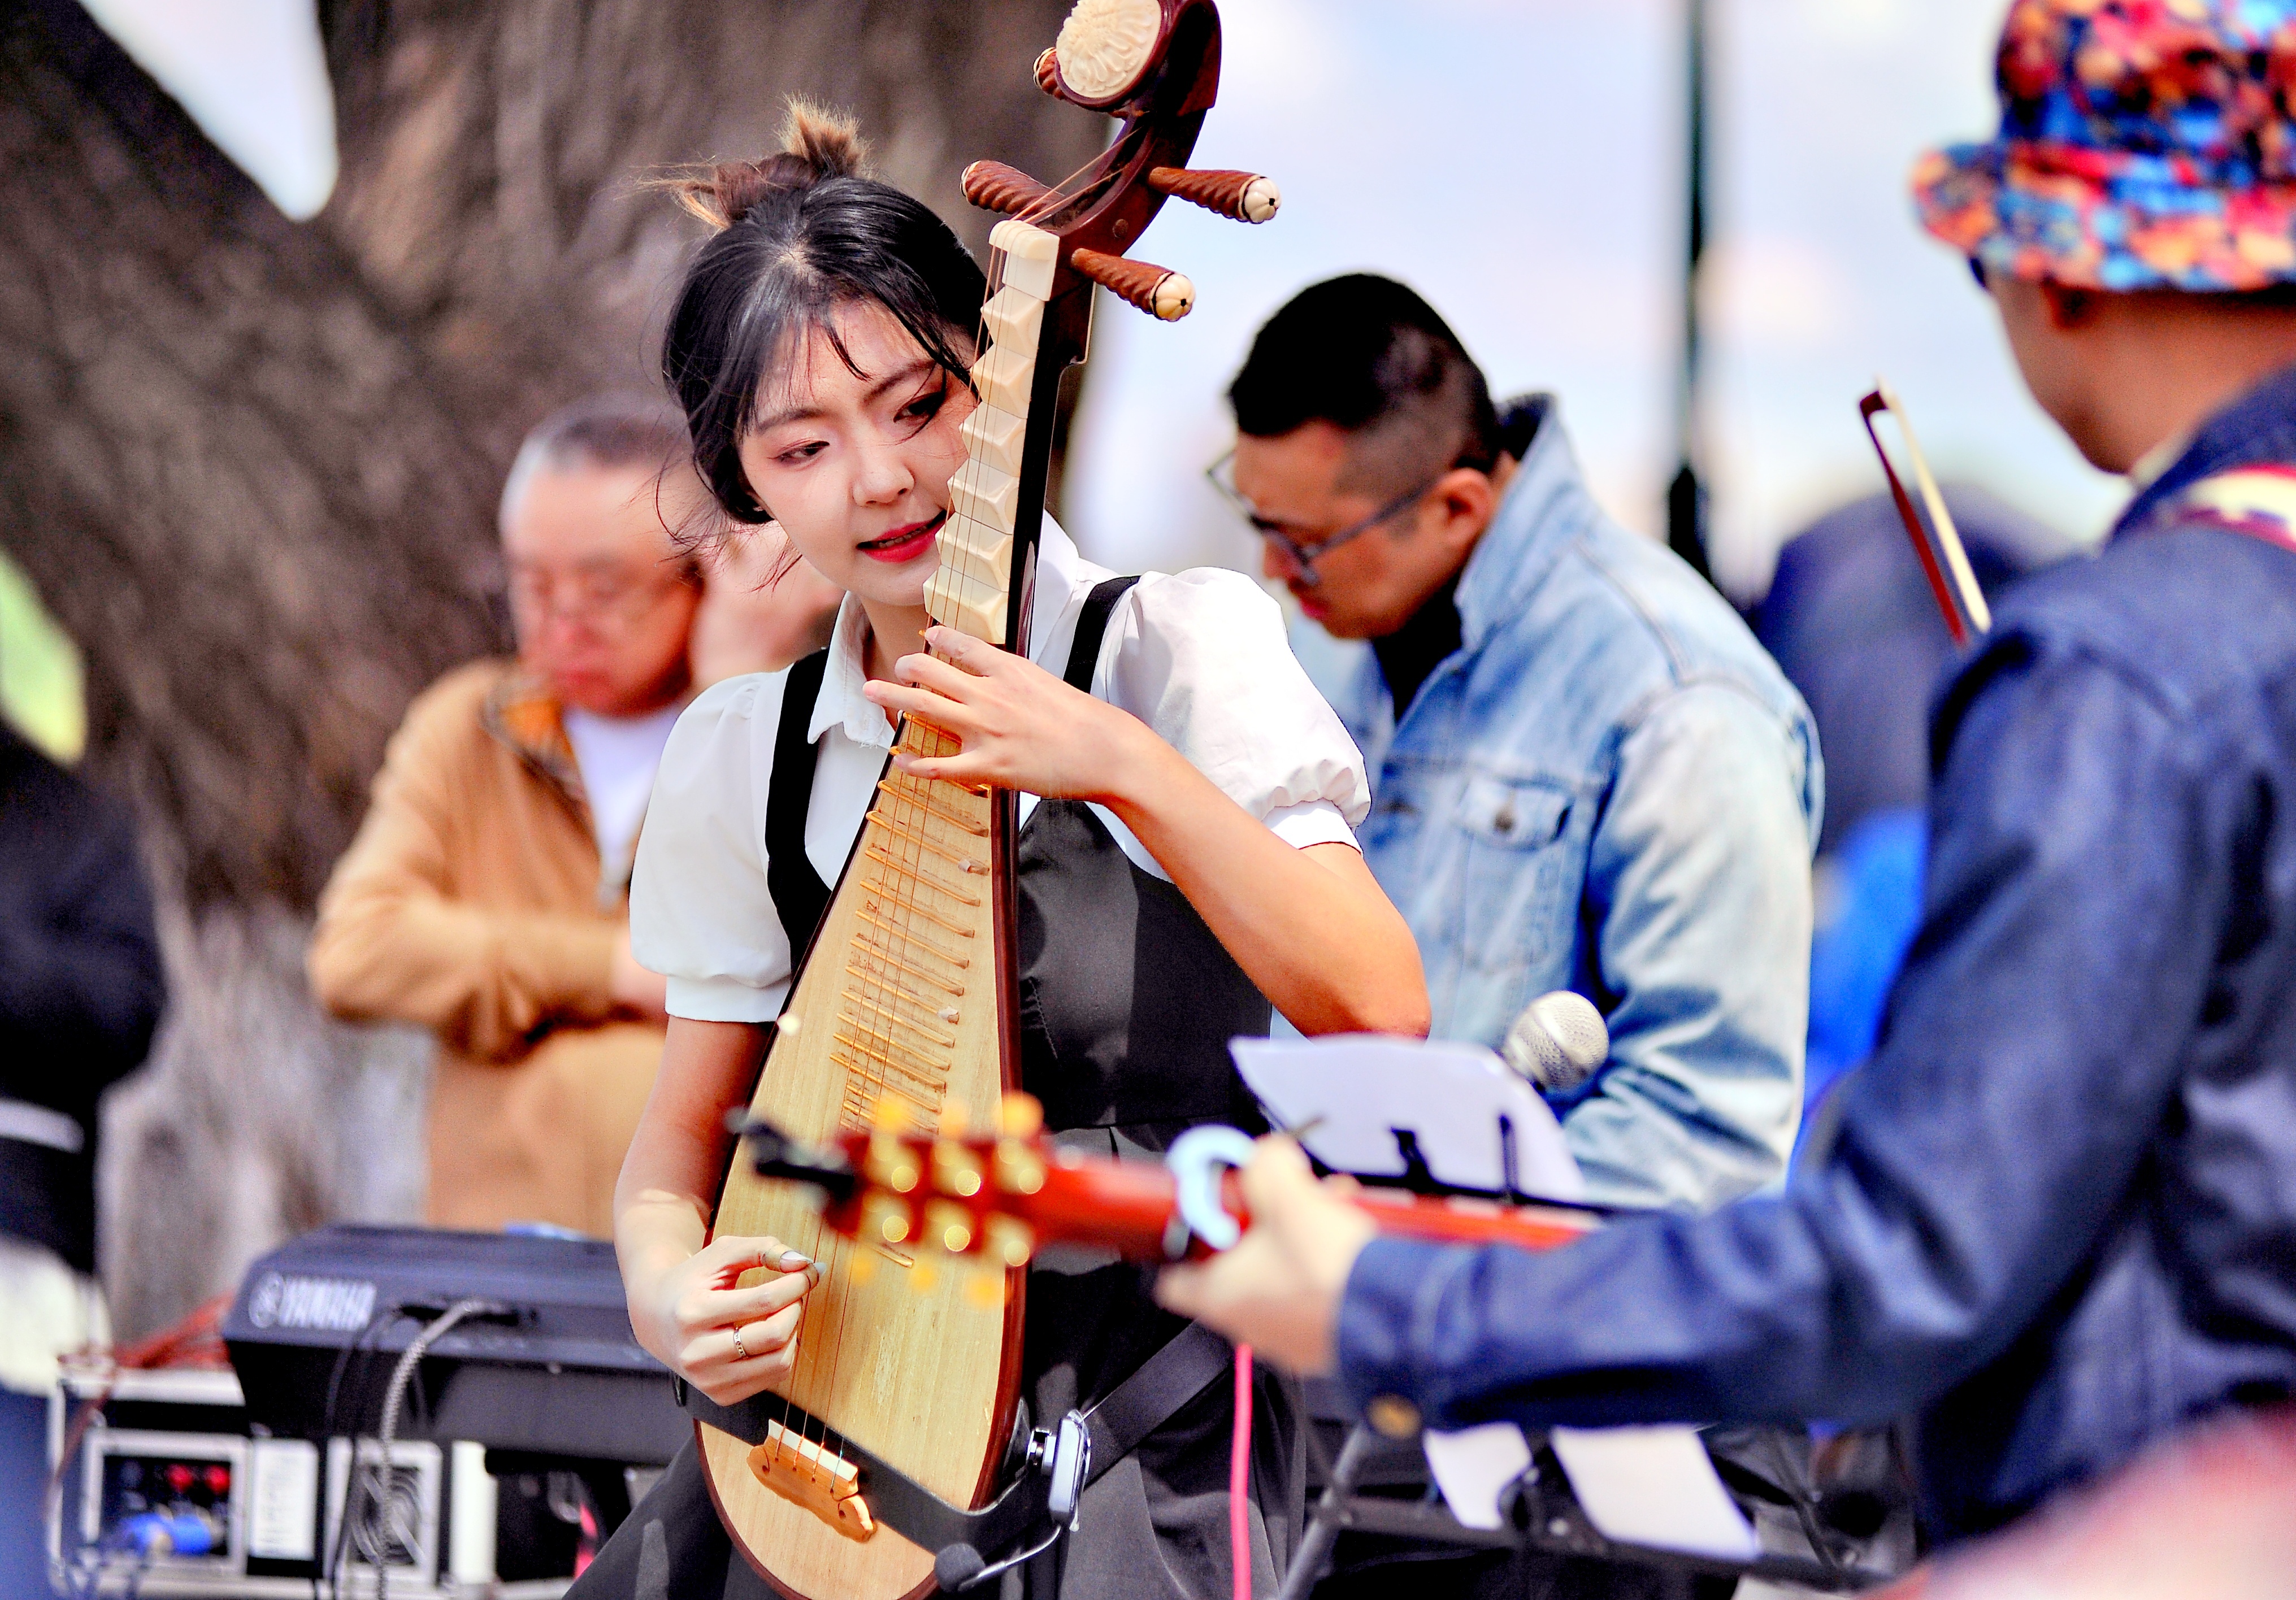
1370,357
602,430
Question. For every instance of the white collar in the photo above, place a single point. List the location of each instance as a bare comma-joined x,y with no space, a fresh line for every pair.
842,702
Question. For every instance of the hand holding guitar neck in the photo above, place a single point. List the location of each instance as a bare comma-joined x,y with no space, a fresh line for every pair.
1279,1289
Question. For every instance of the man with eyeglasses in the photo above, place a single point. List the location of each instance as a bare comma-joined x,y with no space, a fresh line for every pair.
486,897
1586,774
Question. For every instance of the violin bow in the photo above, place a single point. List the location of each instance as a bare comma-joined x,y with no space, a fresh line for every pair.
1944,562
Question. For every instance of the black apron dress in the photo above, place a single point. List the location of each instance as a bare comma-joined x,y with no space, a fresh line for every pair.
1127,1003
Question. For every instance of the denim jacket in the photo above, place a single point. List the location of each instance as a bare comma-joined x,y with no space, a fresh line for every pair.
2059,1220
1609,788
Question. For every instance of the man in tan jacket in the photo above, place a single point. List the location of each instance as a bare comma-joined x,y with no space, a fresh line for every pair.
486,897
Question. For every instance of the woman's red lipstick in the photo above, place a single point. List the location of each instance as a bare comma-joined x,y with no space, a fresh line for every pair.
903,543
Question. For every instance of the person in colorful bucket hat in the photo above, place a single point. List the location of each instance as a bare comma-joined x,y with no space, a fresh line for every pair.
2144,145
2059,1222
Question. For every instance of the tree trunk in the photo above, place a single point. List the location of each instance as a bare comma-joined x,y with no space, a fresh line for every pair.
251,467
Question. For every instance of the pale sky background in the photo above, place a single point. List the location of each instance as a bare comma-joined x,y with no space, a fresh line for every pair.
252,74
1520,163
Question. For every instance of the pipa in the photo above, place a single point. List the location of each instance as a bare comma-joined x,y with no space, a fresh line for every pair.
903,1012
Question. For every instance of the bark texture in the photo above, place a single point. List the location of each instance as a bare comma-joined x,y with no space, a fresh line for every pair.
251,465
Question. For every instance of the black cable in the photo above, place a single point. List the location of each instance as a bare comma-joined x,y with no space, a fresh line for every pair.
333,1569
959,1568
1795,1484
393,1398
376,1320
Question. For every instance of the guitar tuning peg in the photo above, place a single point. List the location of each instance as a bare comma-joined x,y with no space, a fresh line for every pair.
1021,1116
955,1170
1009,1241
1158,290
948,1225
1241,196
890,1163
885,1220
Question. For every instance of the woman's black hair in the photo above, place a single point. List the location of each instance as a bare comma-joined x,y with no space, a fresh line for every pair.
799,235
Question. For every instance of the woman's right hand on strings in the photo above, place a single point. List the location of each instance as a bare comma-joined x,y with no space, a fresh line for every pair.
726,1341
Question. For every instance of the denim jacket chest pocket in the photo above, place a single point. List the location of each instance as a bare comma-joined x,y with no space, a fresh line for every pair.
1520,871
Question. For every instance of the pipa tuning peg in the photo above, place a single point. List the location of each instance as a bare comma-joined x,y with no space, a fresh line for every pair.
1158,290
993,186
1048,71
1242,196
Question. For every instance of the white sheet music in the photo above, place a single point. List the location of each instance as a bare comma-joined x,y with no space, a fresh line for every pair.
1473,1466
1359,1089
1655,1487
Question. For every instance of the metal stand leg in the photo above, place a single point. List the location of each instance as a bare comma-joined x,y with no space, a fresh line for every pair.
1324,1521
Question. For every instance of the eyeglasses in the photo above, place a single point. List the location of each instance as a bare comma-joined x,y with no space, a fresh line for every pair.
611,602
1221,476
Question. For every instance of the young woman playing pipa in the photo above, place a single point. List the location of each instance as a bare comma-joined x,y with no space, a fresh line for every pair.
1184,857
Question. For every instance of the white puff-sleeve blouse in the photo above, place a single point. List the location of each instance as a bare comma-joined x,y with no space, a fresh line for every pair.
1200,657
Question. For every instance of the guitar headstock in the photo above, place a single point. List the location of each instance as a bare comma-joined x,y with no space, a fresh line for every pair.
980,1199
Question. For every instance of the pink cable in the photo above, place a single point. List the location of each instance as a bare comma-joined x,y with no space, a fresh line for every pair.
1239,1477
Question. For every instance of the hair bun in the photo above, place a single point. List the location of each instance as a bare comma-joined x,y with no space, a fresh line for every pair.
816,144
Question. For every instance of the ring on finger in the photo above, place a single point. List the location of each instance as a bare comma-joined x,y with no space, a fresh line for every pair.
740,1353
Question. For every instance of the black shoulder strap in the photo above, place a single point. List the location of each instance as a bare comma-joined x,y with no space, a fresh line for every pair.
1092,627
799,895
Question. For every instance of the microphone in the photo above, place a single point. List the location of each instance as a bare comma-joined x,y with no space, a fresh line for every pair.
1558,1042
957,1567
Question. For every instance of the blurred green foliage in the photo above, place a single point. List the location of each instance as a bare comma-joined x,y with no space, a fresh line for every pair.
40,686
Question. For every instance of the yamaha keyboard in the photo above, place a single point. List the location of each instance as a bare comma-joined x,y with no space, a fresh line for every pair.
549,1366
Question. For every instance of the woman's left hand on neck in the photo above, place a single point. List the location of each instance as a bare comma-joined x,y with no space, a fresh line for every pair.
1309,926
1022,727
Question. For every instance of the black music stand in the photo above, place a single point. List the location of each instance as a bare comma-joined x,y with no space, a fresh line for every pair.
1453,1119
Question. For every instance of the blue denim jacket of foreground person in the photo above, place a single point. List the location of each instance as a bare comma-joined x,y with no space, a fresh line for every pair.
1609,788
2060,1218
